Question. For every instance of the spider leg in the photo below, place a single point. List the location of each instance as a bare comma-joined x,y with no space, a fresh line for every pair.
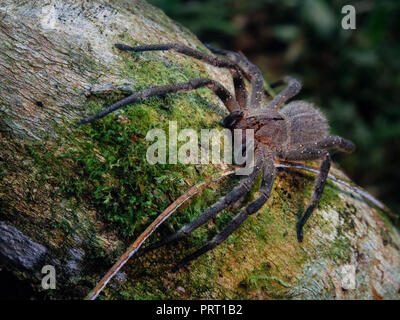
232,119
211,212
239,203
311,154
236,71
193,84
342,144
293,88
265,191
252,73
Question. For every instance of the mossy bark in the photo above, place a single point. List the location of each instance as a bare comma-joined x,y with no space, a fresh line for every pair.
85,193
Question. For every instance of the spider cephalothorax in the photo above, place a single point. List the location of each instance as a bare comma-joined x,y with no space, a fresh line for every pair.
298,131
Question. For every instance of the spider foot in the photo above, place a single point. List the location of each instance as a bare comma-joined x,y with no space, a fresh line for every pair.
177,267
299,230
209,246
181,263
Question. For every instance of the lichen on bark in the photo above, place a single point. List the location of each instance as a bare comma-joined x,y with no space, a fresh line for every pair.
85,193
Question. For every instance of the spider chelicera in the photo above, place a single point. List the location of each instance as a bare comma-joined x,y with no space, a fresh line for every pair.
298,131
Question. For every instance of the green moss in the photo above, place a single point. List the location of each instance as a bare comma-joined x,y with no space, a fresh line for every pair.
340,249
330,197
104,166
259,276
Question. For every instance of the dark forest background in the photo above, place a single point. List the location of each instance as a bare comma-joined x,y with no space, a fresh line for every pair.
353,75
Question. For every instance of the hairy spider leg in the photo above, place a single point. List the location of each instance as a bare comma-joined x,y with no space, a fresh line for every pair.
293,88
243,187
193,84
256,78
253,73
311,154
340,143
236,71
265,191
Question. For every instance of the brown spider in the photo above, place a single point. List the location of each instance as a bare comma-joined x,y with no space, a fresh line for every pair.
296,132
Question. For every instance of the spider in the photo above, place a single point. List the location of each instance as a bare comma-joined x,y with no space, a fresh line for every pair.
298,131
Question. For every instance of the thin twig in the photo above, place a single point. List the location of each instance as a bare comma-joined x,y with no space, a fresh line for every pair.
149,230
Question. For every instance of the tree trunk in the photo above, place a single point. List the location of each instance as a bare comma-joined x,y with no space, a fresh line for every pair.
75,197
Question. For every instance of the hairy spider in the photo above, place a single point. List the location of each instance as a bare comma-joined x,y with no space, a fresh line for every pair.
298,131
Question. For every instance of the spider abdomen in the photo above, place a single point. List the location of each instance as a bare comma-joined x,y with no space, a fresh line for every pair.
305,123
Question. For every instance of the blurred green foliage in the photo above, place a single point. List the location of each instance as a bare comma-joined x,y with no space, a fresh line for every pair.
353,75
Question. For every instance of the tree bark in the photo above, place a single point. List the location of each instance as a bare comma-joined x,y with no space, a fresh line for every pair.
57,58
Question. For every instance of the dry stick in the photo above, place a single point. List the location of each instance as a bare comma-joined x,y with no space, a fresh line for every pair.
182,199
149,230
